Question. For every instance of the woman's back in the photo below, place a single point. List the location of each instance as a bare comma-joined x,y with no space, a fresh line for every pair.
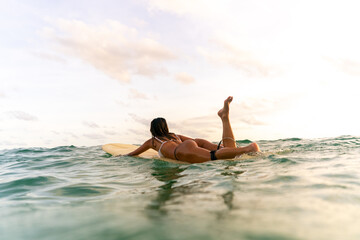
163,144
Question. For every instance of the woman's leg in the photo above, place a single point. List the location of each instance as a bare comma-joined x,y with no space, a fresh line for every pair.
229,153
205,144
190,152
228,135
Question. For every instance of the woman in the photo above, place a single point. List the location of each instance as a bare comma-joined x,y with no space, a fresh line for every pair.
190,150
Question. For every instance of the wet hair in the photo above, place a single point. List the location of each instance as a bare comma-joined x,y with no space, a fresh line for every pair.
159,129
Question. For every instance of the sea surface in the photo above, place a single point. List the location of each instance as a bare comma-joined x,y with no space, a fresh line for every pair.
297,189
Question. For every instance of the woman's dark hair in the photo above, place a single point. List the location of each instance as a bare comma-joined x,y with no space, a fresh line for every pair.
159,128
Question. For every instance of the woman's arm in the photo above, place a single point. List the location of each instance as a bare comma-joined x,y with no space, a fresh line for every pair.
146,145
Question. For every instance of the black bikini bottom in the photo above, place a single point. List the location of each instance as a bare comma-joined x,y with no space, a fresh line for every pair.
212,154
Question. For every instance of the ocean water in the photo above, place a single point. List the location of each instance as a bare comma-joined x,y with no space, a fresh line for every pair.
298,189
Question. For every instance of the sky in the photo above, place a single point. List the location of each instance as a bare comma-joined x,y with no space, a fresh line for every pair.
88,73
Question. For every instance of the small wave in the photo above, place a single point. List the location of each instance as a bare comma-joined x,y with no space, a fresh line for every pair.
283,179
245,141
56,164
275,159
35,150
81,190
63,148
26,184
326,186
335,175
30,181
290,139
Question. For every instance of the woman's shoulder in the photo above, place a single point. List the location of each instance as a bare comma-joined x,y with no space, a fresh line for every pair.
183,138
149,142
174,135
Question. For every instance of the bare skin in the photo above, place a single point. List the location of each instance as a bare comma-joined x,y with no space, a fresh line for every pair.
198,150
228,135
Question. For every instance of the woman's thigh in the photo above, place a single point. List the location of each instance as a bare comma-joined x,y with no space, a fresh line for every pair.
203,143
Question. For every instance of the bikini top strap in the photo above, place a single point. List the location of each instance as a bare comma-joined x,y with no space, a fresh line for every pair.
177,137
159,140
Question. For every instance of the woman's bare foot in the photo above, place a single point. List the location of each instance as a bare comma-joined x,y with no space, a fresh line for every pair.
224,112
253,147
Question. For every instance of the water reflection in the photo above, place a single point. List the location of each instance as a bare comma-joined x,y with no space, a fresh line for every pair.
228,199
167,173
203,186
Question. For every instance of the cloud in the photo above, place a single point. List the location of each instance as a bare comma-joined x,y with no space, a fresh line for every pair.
135,94
202,8
251,49
2,95
140,120
93,136
22,116
347,66
49,56
198,127
122,103
113,48
229,54
254,112
12,144
90,124
184,78
71,134
107,132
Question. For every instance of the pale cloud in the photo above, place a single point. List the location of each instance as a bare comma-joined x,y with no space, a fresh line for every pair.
348,66
143,121
90,124
226,53
22,116
122,103
139,133
71,134
198,127
107,132
202,8
93,136
255,111
138,136
135,94
2,95
139,22
12,144
252,120
184,78
247,114
113,48
49,56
